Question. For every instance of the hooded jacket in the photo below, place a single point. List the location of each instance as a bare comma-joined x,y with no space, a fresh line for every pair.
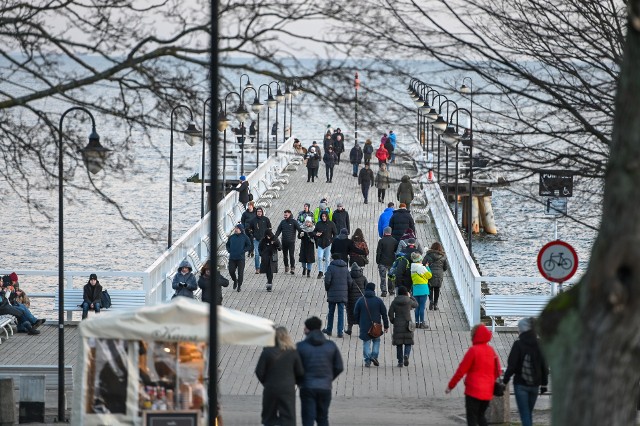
302,215
321,361
237,245
365,177
385,252
288,228
184,285
355,155
356,289
247,217
313,159
376,309
481,365
384,219
337,280
243,192
328,232
527,344
420,275
343,245
438,264
93,294
400,220
405,190
338,142
399,316
258,226
404,241
330,158
382,154
205,283
367,150
318,211
341,219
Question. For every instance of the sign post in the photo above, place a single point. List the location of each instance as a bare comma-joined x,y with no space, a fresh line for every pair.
557,262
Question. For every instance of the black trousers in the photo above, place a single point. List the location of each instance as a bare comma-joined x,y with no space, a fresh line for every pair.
476,410
311,174
381,193
434,294
365,191
278,407
314,404
329,172
288,247
239,266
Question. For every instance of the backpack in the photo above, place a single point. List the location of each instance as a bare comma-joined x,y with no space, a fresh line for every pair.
105,300
368,149
396,265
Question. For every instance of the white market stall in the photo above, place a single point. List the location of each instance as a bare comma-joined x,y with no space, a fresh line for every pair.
153,360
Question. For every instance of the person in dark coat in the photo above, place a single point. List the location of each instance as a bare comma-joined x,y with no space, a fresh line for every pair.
370,309
307,246
385,255
330,159
390,148
312,158
405,191
437,261
400,316
355,158
289,228
400,220
268,249
356,291
529,370
342,245
256,231
92,295
325,233
243,191
327,141
248,214
22,318
341,218
279,369
360,250
366,180
304,213
204,282
322,363
253,131
184,282
367,151
404,241
403,272
338,143
316,147
237,245
336,282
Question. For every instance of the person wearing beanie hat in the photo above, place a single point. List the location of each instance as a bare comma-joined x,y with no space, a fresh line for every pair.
14,279
385,256
400,317
243,191
342,245
92,296
312,160
437,260
325,233
289,228
366,180
529,369
370,309
481,366
420,275
237,245
409,237
256,230
356,290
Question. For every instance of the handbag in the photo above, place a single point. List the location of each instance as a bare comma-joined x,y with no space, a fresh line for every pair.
411,325
498,386
375,330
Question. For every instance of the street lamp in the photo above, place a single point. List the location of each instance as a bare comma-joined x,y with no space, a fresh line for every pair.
287,98
224,142
279,98
256,107
357,86
191,133
271,104
204,138
93,156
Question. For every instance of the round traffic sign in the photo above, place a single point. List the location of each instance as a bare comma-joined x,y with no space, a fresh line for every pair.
557,261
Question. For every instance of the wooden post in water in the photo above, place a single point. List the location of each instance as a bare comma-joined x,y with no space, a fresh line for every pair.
475,217
7,404
486,215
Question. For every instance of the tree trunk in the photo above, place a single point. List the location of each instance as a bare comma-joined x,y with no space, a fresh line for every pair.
591,334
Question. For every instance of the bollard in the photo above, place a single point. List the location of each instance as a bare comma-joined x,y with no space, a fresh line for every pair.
7,404
31,399
499,411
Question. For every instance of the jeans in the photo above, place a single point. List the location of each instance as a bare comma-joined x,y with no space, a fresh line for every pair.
256,253
422,301
402,353
332,309
306,266
288,247
365,192
324,255
329,171
476,409
393,156
382,270
355,169
314,406
26,313
526,397
370,349
239,266
86,307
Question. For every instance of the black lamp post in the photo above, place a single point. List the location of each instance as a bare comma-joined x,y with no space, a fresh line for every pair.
440,126
279,98
469,141
204,138
191,133
269,101
93,156
287,98
297,90
224,143
356,84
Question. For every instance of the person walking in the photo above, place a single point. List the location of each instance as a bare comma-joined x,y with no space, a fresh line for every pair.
253,131
383,182
304,213
405,192
342,245
268,248
420,275
248,214
392,139
437,261
338,143
289,228
528,367
184,282
327,141
385,255
279,368
408,238
92,295
367,151
382,154
243,191
365,180
312,159
389,147
341,218
400,221
369,309
325,233
330,159
356,290
337,281
355,158
204,283
316,147
360,250
256,231
322,207
400,317
237,245
322,363
385,217
481,367
307,246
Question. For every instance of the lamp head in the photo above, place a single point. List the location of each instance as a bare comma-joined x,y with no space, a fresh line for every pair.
440,125
279,96
432,115
241,113
465,89
271,102
450,135
191,134
248,85
256,106
419,101
287,94
297,90
94,155
223,122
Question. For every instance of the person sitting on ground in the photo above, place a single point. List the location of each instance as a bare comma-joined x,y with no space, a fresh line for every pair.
184,282
91,296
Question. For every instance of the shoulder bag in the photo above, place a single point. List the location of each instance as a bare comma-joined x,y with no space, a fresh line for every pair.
498,386
375,330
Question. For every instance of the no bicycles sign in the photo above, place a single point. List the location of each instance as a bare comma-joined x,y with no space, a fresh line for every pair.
557,261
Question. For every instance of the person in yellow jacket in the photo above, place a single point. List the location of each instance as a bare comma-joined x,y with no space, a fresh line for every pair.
420,275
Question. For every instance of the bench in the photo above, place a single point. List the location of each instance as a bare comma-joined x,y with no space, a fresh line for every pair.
5,324
50,373
120,299
513,305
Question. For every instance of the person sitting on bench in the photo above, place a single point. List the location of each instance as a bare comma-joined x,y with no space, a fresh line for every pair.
91,296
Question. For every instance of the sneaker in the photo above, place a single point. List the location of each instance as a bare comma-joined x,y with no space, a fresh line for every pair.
327,332
406,361
235,285
340,336
383,294
348,331
375,362
38,323
238,289
268,287
435,308
292,271
286,269
431,306
33,332
400,364
367,364
365,201
258,271
319,275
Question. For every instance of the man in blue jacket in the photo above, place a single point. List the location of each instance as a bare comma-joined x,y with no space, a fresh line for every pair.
370,309
237,245
393,140
384,219
322,363
337,281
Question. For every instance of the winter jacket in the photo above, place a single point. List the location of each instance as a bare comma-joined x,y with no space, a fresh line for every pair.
392,139
313,160
341,219
438,264
399,316
383,179
289,229
327,142
367,151
327,231
204,282
405,190
317,212
337,280
318,150
389,147
184,285
343,245
307,245
481,366
365,177
93,294
376,309
401,219
420,275
355,155
302,215
527,344
330,159
243,192
279,370
267,248
403,272
358,252
258,226
338,142
321,361
237,245
382,154
385,252
384,219
356,289
247,217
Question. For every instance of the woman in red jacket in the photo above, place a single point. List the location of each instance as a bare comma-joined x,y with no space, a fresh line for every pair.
482,367
382,155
